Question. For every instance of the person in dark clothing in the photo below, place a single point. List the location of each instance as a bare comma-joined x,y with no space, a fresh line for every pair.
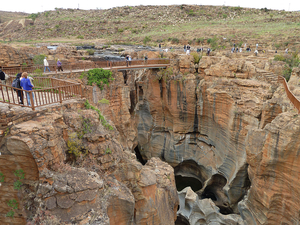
208,51
19,92
59,66
2,78
127,58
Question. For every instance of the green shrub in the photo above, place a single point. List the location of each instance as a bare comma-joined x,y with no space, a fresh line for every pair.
196,56
120,30
99,77
80,37
213,42
33,16
224,16
90,51
38,59
146,40
75,146
200,40
2,177
39,72
104,101
101,117
175,40
191,13
277,46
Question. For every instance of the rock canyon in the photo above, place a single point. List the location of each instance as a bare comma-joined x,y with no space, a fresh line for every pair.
213,142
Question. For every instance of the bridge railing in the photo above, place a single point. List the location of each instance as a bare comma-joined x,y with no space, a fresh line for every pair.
35,69
288,92
46,91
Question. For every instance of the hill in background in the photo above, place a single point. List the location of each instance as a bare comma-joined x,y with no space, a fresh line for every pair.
217,26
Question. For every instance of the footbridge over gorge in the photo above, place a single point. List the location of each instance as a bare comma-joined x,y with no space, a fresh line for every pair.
49,90
52,90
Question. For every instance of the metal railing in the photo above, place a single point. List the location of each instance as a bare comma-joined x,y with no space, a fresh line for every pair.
289,94
36,69
46,91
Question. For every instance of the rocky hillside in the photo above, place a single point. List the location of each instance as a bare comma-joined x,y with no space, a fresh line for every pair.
7,16
219,26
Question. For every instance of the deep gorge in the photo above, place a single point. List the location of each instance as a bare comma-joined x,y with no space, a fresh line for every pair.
207,146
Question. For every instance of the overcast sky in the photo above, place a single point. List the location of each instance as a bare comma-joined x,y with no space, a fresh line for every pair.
34,6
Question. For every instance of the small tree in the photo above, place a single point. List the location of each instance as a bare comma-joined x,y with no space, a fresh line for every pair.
38,59
99,77
146,40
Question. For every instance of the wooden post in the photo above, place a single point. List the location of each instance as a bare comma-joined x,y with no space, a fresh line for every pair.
80,90
31,100
59,94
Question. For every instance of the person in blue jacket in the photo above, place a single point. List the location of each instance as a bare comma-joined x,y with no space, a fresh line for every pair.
27,86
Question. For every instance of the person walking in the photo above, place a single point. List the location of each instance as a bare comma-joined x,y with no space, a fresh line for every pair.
46,65
188,49
129,59
184,48
59,66
27,86
208,51
2,78
19,92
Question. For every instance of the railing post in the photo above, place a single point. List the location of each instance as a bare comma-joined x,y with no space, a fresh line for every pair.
80,90
31,100
59,94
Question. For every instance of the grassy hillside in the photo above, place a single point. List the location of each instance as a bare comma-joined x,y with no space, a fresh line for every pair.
218,26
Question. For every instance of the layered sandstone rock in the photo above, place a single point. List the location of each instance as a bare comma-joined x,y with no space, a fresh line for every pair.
97,188
272,155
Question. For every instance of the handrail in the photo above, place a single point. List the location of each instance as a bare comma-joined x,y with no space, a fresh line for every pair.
289,94
86,65
46,91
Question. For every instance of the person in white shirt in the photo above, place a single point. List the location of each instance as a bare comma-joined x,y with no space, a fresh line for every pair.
46,64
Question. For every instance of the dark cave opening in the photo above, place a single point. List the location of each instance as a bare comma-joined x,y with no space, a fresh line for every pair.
214,191
189,174
132,101
183,182
141,93
181,220
160,87
139,155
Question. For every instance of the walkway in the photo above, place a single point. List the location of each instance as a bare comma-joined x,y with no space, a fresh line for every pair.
46,91
83,66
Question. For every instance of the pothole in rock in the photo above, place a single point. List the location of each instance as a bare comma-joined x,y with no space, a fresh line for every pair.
214,191
189,174
139,155
181,220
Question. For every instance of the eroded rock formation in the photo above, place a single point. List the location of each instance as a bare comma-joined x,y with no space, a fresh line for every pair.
229,132
79,173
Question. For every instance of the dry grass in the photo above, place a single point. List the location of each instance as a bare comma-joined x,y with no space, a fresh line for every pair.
160,23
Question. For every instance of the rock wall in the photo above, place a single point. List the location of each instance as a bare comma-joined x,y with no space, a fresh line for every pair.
205,119
79,173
